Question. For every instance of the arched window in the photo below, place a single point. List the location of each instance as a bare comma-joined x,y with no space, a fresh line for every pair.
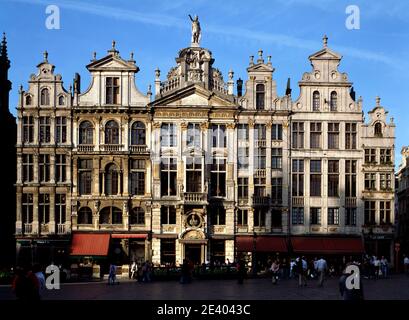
86,133
316,101
85,216
28,100
137,216
138,134
378,129
333,102
45,97
111,179
111,132
260,93
110,215
61,100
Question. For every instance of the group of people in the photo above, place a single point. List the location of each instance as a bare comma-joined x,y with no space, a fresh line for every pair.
375,268
28,283
141,272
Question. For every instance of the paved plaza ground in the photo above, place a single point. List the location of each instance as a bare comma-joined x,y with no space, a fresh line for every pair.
394,288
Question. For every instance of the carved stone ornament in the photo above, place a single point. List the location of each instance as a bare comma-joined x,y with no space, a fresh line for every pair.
193,220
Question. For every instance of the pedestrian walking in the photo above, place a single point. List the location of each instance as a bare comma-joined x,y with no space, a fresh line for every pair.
112,274
384,267
134,271
321,269
241,271
275,269
406,264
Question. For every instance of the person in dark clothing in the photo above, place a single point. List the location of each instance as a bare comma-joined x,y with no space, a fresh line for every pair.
242,271
26,285
355,293
185,272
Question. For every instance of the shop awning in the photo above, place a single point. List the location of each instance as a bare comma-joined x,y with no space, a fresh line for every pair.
261,244
129,236
327,245
89,244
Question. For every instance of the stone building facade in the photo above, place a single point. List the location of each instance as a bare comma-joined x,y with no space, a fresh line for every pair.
402,194
200,170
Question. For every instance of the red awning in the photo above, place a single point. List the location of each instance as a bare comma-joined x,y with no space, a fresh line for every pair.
261,244
327,245
129,236
89,244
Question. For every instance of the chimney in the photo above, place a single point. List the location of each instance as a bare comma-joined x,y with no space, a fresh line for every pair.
239,87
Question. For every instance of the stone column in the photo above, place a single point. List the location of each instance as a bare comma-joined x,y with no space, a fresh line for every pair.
35,214
19,129
229,250
52,222
75,187
36,173
230,162
19,168
52,168
268,158
95,177
156,250
19,218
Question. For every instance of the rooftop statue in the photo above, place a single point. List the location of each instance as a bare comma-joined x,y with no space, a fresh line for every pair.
196,32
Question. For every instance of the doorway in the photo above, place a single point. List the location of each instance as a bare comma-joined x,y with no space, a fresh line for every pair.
193,252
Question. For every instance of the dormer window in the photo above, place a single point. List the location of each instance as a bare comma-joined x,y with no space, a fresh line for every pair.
378,129
28,101
112,90
45,97
260,94
316,101
333,101
61,101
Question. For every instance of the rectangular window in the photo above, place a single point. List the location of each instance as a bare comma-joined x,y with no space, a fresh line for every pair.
333,178
276,218
243,188
385,212
168,215
28,129
277,132
219,136
370,181
315,135
45,130
60,208
333,216
218,178
350,216
259,217
242,216
260,187
61,130
370,156
28,168
350,136
243,158
168,135
60,168
167,251
260,158
112,90
350,178
298,135
137,172
385,156
218,251
44,208
315,216
27,208
333,135
218,216
298,178
276,158
277,190
260,132
243,132
297,216
315,178
370,212
168,178
193,174
85,176
44,167
386,181
193,135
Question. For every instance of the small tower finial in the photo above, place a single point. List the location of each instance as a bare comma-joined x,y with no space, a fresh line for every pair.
113,44
251,60
45,55
260,56
94,56
325,41
378,101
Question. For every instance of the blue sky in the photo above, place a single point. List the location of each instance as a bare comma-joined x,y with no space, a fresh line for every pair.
375,56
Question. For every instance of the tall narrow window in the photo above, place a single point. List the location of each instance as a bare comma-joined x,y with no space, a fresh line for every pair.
167,251
333,101
370,212
218,178
277,190
60,168
370,156
315,216
85,176
260,96
193,135
243,158
350,216
260,132
137,216
45,129
168,176
45,97
28,129
386,181
28,168
385,212
112,90
111,180
242,217
333,178
350,136
137,172
243,188
168,215
315,135
350,178
298,178
259,217
61,100
276,218
168,135
385,156
298,135
219,135
111,132
44,167
44,208
86,133
61,129
333,216
259,186
60,208
316,101
85,216
297,216
138,134
193,174
276,158
243,132
315,178
28,101
370,181
27,208
260,158
378,129
333,135
277,132
218,216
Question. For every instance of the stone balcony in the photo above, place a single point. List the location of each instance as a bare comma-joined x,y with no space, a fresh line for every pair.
260,143
138,149
194,197
298,201
28,228
260,173
169,86
85,148
260,200
350,202
111,147
61,228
